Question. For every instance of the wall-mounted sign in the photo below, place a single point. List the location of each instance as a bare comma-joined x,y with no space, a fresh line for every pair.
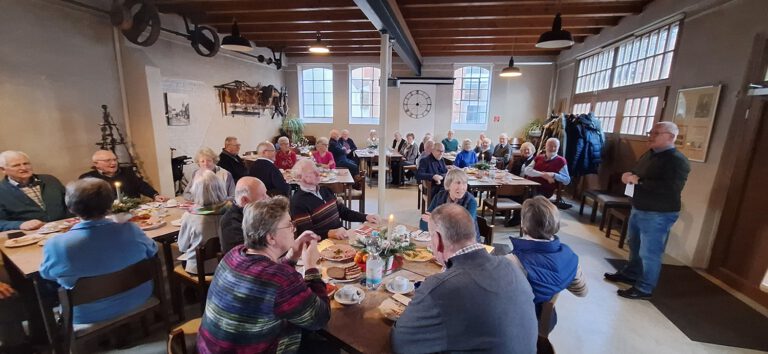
695,111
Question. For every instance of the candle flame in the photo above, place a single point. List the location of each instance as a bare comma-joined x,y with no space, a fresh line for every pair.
117,184
391,217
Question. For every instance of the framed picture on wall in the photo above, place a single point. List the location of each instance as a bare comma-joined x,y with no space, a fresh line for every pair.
176,108
695,111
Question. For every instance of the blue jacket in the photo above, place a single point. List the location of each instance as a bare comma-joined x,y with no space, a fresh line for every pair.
16,207
465,159
98,247
551,266
584,145
430,166
468,201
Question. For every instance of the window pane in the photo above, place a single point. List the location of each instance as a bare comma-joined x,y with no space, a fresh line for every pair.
471,92
672,37
665,67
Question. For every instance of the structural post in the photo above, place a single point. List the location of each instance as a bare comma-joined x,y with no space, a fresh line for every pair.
385,58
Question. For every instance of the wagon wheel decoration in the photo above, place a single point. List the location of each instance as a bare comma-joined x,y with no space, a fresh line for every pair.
139,21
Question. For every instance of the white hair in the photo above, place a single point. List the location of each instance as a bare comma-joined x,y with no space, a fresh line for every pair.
670,127
5,155
299,167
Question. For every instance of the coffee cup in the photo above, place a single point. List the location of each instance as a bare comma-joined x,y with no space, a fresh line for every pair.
400,284
348,293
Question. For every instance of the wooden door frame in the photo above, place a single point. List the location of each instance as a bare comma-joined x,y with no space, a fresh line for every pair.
742,135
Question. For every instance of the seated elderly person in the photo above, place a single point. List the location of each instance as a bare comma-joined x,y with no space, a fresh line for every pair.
398,142
503,151
467,156
105,167
258,302
264,169
206,159
480,303
322,156
432,168
527,155
548,169
551,266
410,153
455,192
427,137
373,138
450,143
28,200
230,160
97,246
285,157
203,220
484,151
248,189
316,208
425,149
348,145
340,154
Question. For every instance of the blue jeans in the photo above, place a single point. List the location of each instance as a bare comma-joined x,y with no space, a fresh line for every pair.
648,232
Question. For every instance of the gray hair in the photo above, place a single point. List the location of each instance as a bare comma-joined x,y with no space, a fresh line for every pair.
555,140
207,152
89,198
540,218
429,143
410,135
207,189
283,139
5,155
260,219
263,145
245,187
299,167
454,223
466,144
455,175
229,140
504,135
321,140
670,127
530,146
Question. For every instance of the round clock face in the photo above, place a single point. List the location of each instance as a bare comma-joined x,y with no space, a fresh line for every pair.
417,104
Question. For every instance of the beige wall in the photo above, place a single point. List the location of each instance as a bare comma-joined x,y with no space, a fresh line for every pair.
517,101
713,48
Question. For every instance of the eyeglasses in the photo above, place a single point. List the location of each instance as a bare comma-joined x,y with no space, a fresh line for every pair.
292,226
653,133
107,160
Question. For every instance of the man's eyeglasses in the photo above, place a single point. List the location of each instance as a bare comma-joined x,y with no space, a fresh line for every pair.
653,133
107,160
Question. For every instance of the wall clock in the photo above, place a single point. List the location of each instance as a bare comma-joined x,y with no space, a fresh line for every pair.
417,104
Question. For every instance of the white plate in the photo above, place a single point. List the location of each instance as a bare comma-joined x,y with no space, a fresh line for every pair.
152,226
391,309
409,289
421,236
362,275
176,223
23,240
360,293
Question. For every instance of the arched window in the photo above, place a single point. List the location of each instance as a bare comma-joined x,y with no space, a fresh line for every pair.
316,98
471,94
364,91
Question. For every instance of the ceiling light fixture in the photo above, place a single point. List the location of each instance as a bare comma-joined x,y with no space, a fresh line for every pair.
318,46
557,37
235,41
511,70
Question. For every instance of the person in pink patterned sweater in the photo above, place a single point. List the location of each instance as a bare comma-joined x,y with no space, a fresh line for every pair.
321,154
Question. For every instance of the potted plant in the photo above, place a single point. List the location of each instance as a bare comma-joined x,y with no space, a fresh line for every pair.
293,127
534,129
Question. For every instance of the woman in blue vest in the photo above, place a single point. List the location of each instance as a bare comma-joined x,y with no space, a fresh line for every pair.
550,266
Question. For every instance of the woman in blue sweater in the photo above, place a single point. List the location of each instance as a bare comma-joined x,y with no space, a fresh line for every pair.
467,156
455,192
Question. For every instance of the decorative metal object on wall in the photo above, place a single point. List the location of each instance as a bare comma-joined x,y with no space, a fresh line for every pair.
205,40
139,20
240,98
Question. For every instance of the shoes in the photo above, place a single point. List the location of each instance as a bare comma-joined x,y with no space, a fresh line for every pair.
634,294
619,278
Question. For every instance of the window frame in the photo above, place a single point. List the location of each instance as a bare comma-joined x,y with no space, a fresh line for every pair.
472,126
300,68
622,95
362,121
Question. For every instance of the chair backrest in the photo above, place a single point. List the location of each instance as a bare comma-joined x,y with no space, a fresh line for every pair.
485,230
176,343
210,249
426,192
547,309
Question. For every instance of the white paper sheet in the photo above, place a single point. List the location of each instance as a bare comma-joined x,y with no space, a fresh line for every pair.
629,191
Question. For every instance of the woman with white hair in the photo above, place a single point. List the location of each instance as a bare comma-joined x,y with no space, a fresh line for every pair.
206,159
203,221
527,155
373,139
455,192
285,157
322,156
467,156
550,266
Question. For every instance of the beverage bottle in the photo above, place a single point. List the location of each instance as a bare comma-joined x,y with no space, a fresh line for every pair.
374,270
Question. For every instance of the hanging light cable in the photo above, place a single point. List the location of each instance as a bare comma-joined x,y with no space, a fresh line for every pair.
557,37
318,46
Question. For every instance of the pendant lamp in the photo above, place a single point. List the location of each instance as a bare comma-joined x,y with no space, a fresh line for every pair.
234,41
557,37
318,46
511,70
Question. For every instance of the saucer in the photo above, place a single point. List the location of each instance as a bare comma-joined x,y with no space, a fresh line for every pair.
409,289
360,293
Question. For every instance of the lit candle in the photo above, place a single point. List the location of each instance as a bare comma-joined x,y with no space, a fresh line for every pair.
391,226
119,196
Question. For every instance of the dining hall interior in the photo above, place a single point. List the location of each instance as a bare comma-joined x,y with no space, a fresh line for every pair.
171,87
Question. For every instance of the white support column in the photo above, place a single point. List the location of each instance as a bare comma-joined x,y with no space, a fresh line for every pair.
385,58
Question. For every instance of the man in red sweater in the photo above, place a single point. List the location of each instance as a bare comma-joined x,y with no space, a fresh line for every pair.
548,169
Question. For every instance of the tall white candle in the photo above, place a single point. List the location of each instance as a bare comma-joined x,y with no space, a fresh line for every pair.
391,226
119,195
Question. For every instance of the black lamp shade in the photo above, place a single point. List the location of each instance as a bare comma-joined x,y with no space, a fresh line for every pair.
236,42
318,46
557,37
511,70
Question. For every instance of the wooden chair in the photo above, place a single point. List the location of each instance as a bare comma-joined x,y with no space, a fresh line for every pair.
606,198
404,169
342,194
547,311
358,195
500,204
622,215
177,340
425,195
486,231
210,249
90,289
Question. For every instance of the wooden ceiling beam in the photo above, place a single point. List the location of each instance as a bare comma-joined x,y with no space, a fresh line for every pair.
269,42
287,17
522,11
451,53
234,6
301,27
484,41
538,23
494,32
444,3
312,35
483,47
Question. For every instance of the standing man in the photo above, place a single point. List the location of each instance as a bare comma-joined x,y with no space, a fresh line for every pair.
451,144
27,200
248,189
106,167
658,178
264,169
229,158
480,303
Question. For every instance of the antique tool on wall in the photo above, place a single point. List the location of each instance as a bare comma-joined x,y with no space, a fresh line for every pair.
111,142
139,20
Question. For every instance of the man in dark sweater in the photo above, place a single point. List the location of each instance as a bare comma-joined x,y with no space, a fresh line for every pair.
27,200
432,168
349,146
480,303
248,189
105,167
340,153
264,169
229,159
317,209
658,179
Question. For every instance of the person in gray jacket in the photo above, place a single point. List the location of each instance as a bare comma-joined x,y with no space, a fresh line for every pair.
481,303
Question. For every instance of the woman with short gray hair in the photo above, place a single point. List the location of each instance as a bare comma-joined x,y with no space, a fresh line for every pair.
556,265
257,299
467,156
206,159
455,192
285,157
203,221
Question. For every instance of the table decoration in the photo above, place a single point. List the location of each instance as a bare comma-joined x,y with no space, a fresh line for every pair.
389,248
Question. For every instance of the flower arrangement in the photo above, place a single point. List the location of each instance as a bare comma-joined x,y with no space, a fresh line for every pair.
125,205
483,166
387,246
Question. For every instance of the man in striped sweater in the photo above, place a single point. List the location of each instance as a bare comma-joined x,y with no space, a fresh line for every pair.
317,209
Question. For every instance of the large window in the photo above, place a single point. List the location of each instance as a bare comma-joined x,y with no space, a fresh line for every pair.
646,58
639,115
364,95
595,72
316,99
605,113
471,93
582,108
